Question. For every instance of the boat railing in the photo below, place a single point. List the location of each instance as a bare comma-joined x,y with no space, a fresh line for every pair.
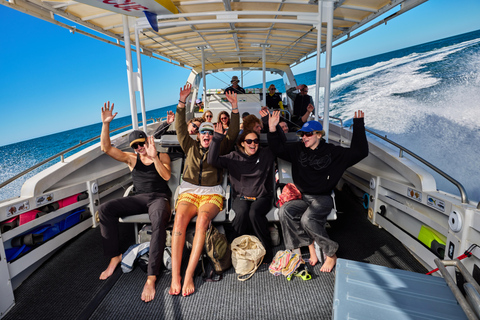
463,193
61,154
471,304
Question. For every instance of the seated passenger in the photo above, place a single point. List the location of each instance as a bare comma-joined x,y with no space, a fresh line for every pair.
150,173
200,193
163,127
273,98
244,115
207,116
234,88
224,119
193,125
317,166
284,126
250,170
252,123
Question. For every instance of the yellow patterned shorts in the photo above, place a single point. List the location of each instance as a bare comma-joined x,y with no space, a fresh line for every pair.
200,200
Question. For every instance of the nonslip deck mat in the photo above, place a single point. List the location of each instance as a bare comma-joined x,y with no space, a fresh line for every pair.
67,283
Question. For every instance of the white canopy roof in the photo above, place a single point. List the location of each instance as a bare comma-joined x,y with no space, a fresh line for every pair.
231,32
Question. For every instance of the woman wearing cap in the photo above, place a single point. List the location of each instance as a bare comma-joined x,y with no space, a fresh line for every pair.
250,169
317,166
200,193
234,88
150,173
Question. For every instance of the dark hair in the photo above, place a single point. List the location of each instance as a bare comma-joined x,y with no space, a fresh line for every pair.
220,115
241,138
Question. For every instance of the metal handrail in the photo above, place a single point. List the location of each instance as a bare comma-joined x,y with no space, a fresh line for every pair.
60,154
460,187
441,264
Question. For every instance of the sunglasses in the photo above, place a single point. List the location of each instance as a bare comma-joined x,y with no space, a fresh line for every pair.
272,89
249,141
194,126
135,145
223,118
306,134
208,116
210,132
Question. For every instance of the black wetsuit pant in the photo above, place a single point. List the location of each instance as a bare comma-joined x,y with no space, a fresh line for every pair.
158,207
251,218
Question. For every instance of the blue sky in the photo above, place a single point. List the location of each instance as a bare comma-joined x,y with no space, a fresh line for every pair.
52,80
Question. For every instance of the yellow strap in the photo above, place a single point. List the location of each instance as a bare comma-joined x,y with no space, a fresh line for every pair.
168,4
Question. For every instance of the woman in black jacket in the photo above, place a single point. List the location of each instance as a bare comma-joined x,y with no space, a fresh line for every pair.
250,170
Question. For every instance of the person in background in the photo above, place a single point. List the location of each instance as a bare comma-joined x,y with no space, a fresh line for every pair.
284,126
302,104
198,105
150,173
250,170
234,86
224,119
164,126
207,116
200,193
273,98
244,115
317,166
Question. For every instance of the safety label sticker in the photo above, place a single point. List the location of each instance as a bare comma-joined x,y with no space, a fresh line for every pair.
436,203
414,194
18,208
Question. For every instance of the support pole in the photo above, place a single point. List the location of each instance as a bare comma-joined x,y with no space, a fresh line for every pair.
128,55
140,80
204,77
318,68
328,6
264,78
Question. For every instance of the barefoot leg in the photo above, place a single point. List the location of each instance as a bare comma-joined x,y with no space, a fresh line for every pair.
185,212
206,213
313,255
329,263
149,289
111,267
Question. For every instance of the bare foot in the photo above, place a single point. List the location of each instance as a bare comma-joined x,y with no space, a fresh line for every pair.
313,255
329,263
149,289
188,286
175,286
111,267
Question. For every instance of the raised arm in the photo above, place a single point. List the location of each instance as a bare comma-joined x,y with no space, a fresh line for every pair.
359,145
105,143
163,127
213,156
180,124
160,160
234,128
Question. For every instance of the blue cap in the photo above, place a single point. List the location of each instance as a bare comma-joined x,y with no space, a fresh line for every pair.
311,126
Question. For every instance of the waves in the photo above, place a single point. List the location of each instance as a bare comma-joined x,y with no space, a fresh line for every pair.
426,102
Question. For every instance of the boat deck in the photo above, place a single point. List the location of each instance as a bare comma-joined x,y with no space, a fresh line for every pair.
67,285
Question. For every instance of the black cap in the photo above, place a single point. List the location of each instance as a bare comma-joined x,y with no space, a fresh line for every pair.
137,136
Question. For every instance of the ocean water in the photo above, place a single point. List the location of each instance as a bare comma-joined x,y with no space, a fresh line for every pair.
423,97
